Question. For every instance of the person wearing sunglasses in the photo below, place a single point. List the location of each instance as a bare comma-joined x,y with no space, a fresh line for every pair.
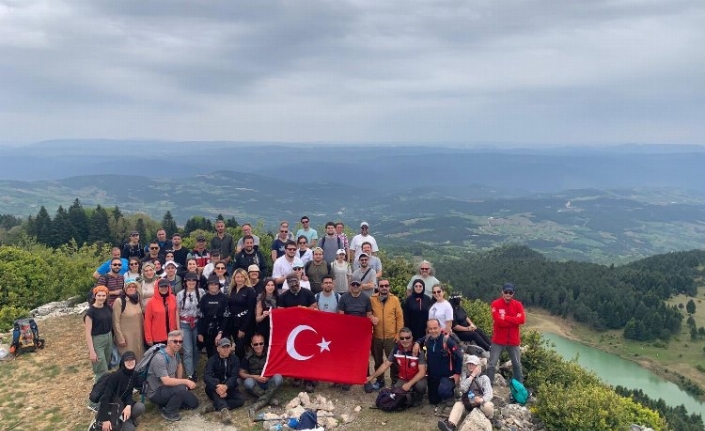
104,268
113,280
284,265
154,252
411,368
166,386
304,253
279,244
134,269
507,315
297,269
255,383
441,309
426,273
387,308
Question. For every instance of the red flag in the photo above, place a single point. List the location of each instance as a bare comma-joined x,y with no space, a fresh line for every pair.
315,345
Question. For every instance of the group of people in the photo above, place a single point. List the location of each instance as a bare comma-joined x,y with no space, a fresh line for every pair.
219,301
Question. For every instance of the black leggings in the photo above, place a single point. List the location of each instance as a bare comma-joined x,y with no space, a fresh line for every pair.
478,336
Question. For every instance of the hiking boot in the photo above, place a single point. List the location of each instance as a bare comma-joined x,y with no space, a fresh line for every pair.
446,425
258,391
172,417
296,383
225,417
208,408
368,388
376,386
309,387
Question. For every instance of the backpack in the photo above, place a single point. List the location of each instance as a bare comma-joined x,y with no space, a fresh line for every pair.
25,336
393,399
323,241
142,367
518,391
99,388
308,420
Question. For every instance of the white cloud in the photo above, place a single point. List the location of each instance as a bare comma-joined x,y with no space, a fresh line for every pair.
526,72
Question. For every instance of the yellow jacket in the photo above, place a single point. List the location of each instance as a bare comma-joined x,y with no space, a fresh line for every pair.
390,315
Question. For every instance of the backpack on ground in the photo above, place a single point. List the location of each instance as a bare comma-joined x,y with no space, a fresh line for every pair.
142,367
393,399
25,336
308,420
518,391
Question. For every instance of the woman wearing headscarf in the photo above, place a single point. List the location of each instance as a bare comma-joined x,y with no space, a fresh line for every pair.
128,320
149,283
160,315
118,390
416,308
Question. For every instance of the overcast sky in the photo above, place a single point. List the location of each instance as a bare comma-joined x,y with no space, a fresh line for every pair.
477,71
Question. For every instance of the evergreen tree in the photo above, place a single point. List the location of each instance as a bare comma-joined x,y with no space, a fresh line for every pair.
231,222
169,224
116,213
62,229
79,220
42,226
220,217
693,333
99,226
690,322
690,307
139,227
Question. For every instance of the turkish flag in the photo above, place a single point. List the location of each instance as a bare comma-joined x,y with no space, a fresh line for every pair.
315,345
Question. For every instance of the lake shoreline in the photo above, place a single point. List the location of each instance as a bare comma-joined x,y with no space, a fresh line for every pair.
542,321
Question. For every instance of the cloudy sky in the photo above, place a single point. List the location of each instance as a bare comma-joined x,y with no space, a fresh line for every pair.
476,71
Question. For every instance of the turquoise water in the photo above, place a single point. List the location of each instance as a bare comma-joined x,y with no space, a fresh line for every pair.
615,371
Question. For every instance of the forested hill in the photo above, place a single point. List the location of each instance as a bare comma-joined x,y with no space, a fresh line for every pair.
604,297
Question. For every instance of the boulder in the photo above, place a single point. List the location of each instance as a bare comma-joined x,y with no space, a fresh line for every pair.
476,421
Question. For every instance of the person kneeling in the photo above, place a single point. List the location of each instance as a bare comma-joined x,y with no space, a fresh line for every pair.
257,385
220,378
118,393
166,386
477,392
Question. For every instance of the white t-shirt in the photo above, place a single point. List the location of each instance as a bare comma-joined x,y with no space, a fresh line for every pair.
356,244
442,311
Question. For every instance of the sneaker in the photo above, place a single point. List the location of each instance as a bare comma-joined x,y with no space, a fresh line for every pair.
446,426
172,417
376,386
225,416
309,388
368,388
296,383
208,408
345,387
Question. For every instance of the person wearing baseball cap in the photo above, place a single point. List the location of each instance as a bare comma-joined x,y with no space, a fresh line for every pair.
200,253
476,391
220,377
508,315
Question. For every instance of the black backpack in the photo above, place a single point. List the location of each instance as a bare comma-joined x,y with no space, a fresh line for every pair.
99,388
393,399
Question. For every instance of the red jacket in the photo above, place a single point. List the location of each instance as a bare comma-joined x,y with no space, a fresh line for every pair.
156,315
506,331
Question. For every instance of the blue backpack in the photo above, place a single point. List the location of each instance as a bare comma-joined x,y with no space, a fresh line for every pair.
518,391
308,421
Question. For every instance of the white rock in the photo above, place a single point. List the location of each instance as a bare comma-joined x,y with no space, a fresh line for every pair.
330,423
476,421
293,403
500,381
295,412
345,418
270,416
357,409
305,399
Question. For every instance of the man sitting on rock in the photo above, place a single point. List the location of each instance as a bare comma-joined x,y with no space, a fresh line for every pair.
476,391
220,378
259,386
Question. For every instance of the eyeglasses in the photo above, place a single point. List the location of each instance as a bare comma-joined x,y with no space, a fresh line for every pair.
116,264
257,344
425,269
383,285
297,269
134,264
302,242
304,221
283,231
435,292
508,292
154,248
290,249
177,341
219,267
405,338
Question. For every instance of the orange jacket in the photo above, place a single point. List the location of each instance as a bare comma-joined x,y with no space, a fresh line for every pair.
155,316
390,315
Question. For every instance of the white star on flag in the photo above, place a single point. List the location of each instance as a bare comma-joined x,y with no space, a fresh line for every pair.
323,345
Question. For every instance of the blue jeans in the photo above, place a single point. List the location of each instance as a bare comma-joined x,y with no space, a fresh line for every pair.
274,382
514,356
191,353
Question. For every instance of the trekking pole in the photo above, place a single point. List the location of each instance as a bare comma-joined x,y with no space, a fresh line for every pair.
262,419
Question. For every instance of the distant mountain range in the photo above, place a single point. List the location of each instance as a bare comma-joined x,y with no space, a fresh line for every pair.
605,205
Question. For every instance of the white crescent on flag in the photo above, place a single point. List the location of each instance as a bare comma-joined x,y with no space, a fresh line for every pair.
291,348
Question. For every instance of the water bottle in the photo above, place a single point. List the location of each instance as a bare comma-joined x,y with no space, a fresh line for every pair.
471,395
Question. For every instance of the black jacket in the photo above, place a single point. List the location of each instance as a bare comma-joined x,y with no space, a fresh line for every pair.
118,390
221,371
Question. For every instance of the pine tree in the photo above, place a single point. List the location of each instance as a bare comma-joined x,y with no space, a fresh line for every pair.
690,307
139,227
42,226
231,222
79,220
99,226
116,213
62,229
169,224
